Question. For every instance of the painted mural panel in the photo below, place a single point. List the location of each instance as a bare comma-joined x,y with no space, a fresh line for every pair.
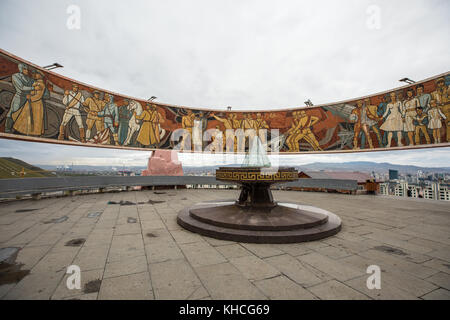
42,106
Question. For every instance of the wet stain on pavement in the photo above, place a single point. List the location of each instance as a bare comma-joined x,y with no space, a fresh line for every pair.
122,203
126,203
57,220
10,271
154,201
75,242
94,214
388,249
25,210
92,286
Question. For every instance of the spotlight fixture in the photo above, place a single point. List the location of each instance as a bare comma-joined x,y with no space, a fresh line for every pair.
53,66
308,103
407,80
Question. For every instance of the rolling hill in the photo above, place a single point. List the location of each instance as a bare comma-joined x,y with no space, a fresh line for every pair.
11,168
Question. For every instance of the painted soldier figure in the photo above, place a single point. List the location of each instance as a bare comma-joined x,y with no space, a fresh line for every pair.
187,123
22,82
305,123
92,105
30,118
110,114
125,115
228,124
72,99
442,97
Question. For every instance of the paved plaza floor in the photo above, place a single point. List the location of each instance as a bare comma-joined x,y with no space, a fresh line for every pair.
136,250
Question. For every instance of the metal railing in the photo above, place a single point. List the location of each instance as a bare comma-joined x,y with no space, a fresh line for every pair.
16,187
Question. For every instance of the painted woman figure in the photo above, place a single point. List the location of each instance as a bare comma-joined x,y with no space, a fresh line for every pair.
157,119
435,117
393,122
30,118
149,133
409,112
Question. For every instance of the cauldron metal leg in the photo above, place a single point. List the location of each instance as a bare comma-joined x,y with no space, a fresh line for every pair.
243,197
256,195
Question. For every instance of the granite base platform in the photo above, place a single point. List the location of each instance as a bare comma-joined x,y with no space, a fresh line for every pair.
284,223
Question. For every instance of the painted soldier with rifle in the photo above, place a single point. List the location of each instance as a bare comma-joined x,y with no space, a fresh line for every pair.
72,100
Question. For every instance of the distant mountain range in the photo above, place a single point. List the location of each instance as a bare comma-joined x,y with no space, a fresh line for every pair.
362,166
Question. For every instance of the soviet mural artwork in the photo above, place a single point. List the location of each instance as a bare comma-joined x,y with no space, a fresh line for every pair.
39,105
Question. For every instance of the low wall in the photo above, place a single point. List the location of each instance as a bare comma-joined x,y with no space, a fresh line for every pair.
14,187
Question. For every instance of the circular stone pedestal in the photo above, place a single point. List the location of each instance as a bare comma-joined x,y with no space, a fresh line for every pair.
284,223
255,217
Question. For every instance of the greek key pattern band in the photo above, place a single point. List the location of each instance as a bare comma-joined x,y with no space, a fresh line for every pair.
256,176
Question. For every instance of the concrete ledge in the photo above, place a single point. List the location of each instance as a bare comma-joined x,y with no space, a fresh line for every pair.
13,187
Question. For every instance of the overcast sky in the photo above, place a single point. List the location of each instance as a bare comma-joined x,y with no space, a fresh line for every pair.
244,54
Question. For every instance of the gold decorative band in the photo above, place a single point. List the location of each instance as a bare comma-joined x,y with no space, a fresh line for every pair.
239,175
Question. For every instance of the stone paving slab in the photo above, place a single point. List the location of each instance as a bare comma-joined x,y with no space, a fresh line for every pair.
87,278
254,268
335,290
125,267
138,251
440,279
233,251
92,257
225,282
297,271
387,291
331,267
439,294
201,254
163,249
282,288
175,279
130,287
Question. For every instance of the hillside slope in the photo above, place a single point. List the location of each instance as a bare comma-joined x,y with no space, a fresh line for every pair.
11,168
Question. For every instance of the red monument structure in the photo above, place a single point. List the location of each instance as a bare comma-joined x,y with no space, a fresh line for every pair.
163,163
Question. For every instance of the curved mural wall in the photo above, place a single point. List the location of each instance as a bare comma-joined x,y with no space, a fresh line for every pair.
38,105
